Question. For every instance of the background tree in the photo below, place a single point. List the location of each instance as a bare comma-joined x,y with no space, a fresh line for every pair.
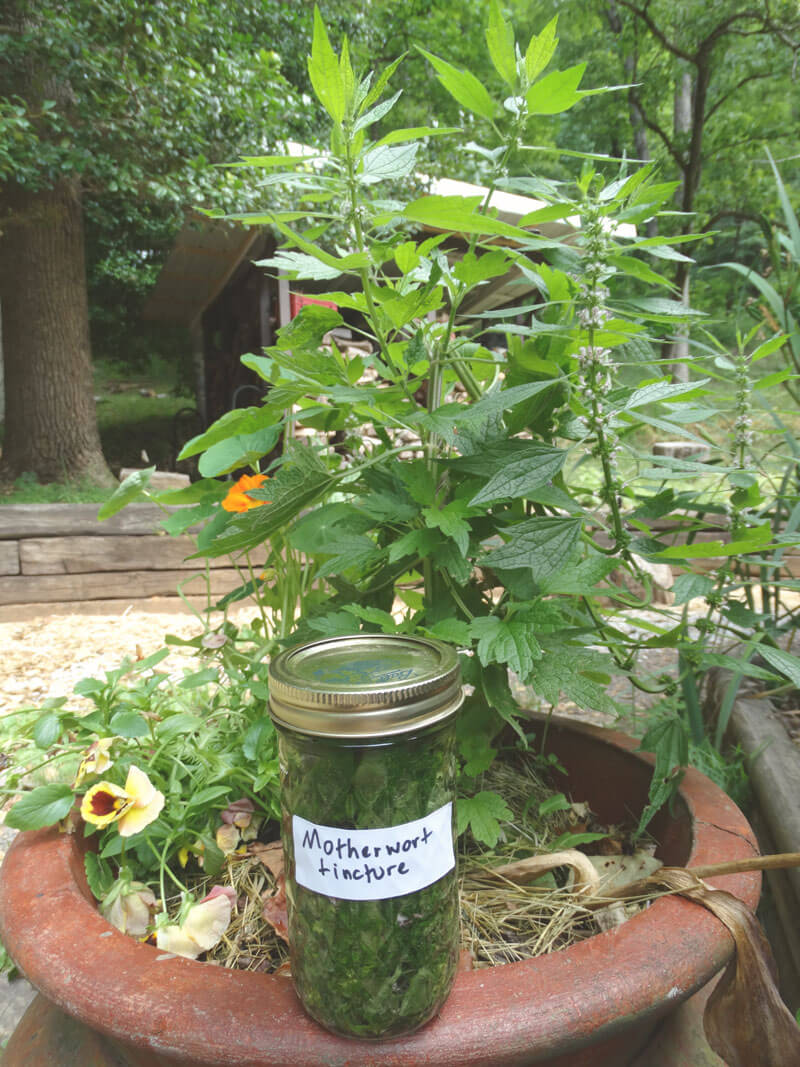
112,115
711,85
130,100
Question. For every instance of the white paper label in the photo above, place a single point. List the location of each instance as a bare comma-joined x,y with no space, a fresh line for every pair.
373,864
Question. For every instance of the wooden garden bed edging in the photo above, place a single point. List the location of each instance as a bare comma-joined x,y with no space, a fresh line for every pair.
774,772
61,553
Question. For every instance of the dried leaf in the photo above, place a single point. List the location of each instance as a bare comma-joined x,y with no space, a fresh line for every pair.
745,1020
274,909
270,855
617,872
585,878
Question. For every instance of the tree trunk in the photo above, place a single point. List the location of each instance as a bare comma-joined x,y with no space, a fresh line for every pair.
50,420
683,127
641,146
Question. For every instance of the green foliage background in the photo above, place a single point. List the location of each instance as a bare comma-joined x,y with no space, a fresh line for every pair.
160,92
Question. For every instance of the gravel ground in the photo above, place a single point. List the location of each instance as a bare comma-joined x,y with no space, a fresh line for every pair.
46,655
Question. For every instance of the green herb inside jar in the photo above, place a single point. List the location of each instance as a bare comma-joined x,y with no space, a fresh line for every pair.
370,968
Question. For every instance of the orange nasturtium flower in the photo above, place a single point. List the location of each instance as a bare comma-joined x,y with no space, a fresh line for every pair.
131,808
237,498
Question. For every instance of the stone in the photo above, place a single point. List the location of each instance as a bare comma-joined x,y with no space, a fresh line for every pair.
159,479
700,453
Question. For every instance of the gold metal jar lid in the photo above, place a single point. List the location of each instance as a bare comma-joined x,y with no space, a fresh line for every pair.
364,685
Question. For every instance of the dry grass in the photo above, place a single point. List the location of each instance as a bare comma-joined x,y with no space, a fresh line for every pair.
501,922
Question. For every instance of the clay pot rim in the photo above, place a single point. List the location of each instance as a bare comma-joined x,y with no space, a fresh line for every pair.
50,926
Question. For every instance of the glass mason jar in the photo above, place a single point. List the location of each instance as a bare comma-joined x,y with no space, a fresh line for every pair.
368,766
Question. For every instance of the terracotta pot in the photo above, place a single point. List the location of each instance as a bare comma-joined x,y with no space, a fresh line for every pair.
597,1003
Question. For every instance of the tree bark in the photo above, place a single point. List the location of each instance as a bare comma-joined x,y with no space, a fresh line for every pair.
50,420
683,127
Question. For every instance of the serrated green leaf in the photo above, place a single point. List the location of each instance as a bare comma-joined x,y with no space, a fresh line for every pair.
535,467
267,162
766,348
376,113
418,480
301,266
509,642
44,806
382,81
463,86
454,631
185,518
563,671
688,586
669,742
491,405
300,482
540,50
325,72
316,530
460,214
541,545
420,543
472,269
555,92
387,163
659,308
331,624
497,692
414,133
635,268
736,665
477,753
308,328
662,390
482,814
756,538
582,579
450,520
351,262
348,550
374,616
500,41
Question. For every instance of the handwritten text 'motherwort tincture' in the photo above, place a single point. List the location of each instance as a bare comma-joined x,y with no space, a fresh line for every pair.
374,864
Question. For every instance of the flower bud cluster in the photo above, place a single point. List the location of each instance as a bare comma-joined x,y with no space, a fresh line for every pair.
595,363
742,433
